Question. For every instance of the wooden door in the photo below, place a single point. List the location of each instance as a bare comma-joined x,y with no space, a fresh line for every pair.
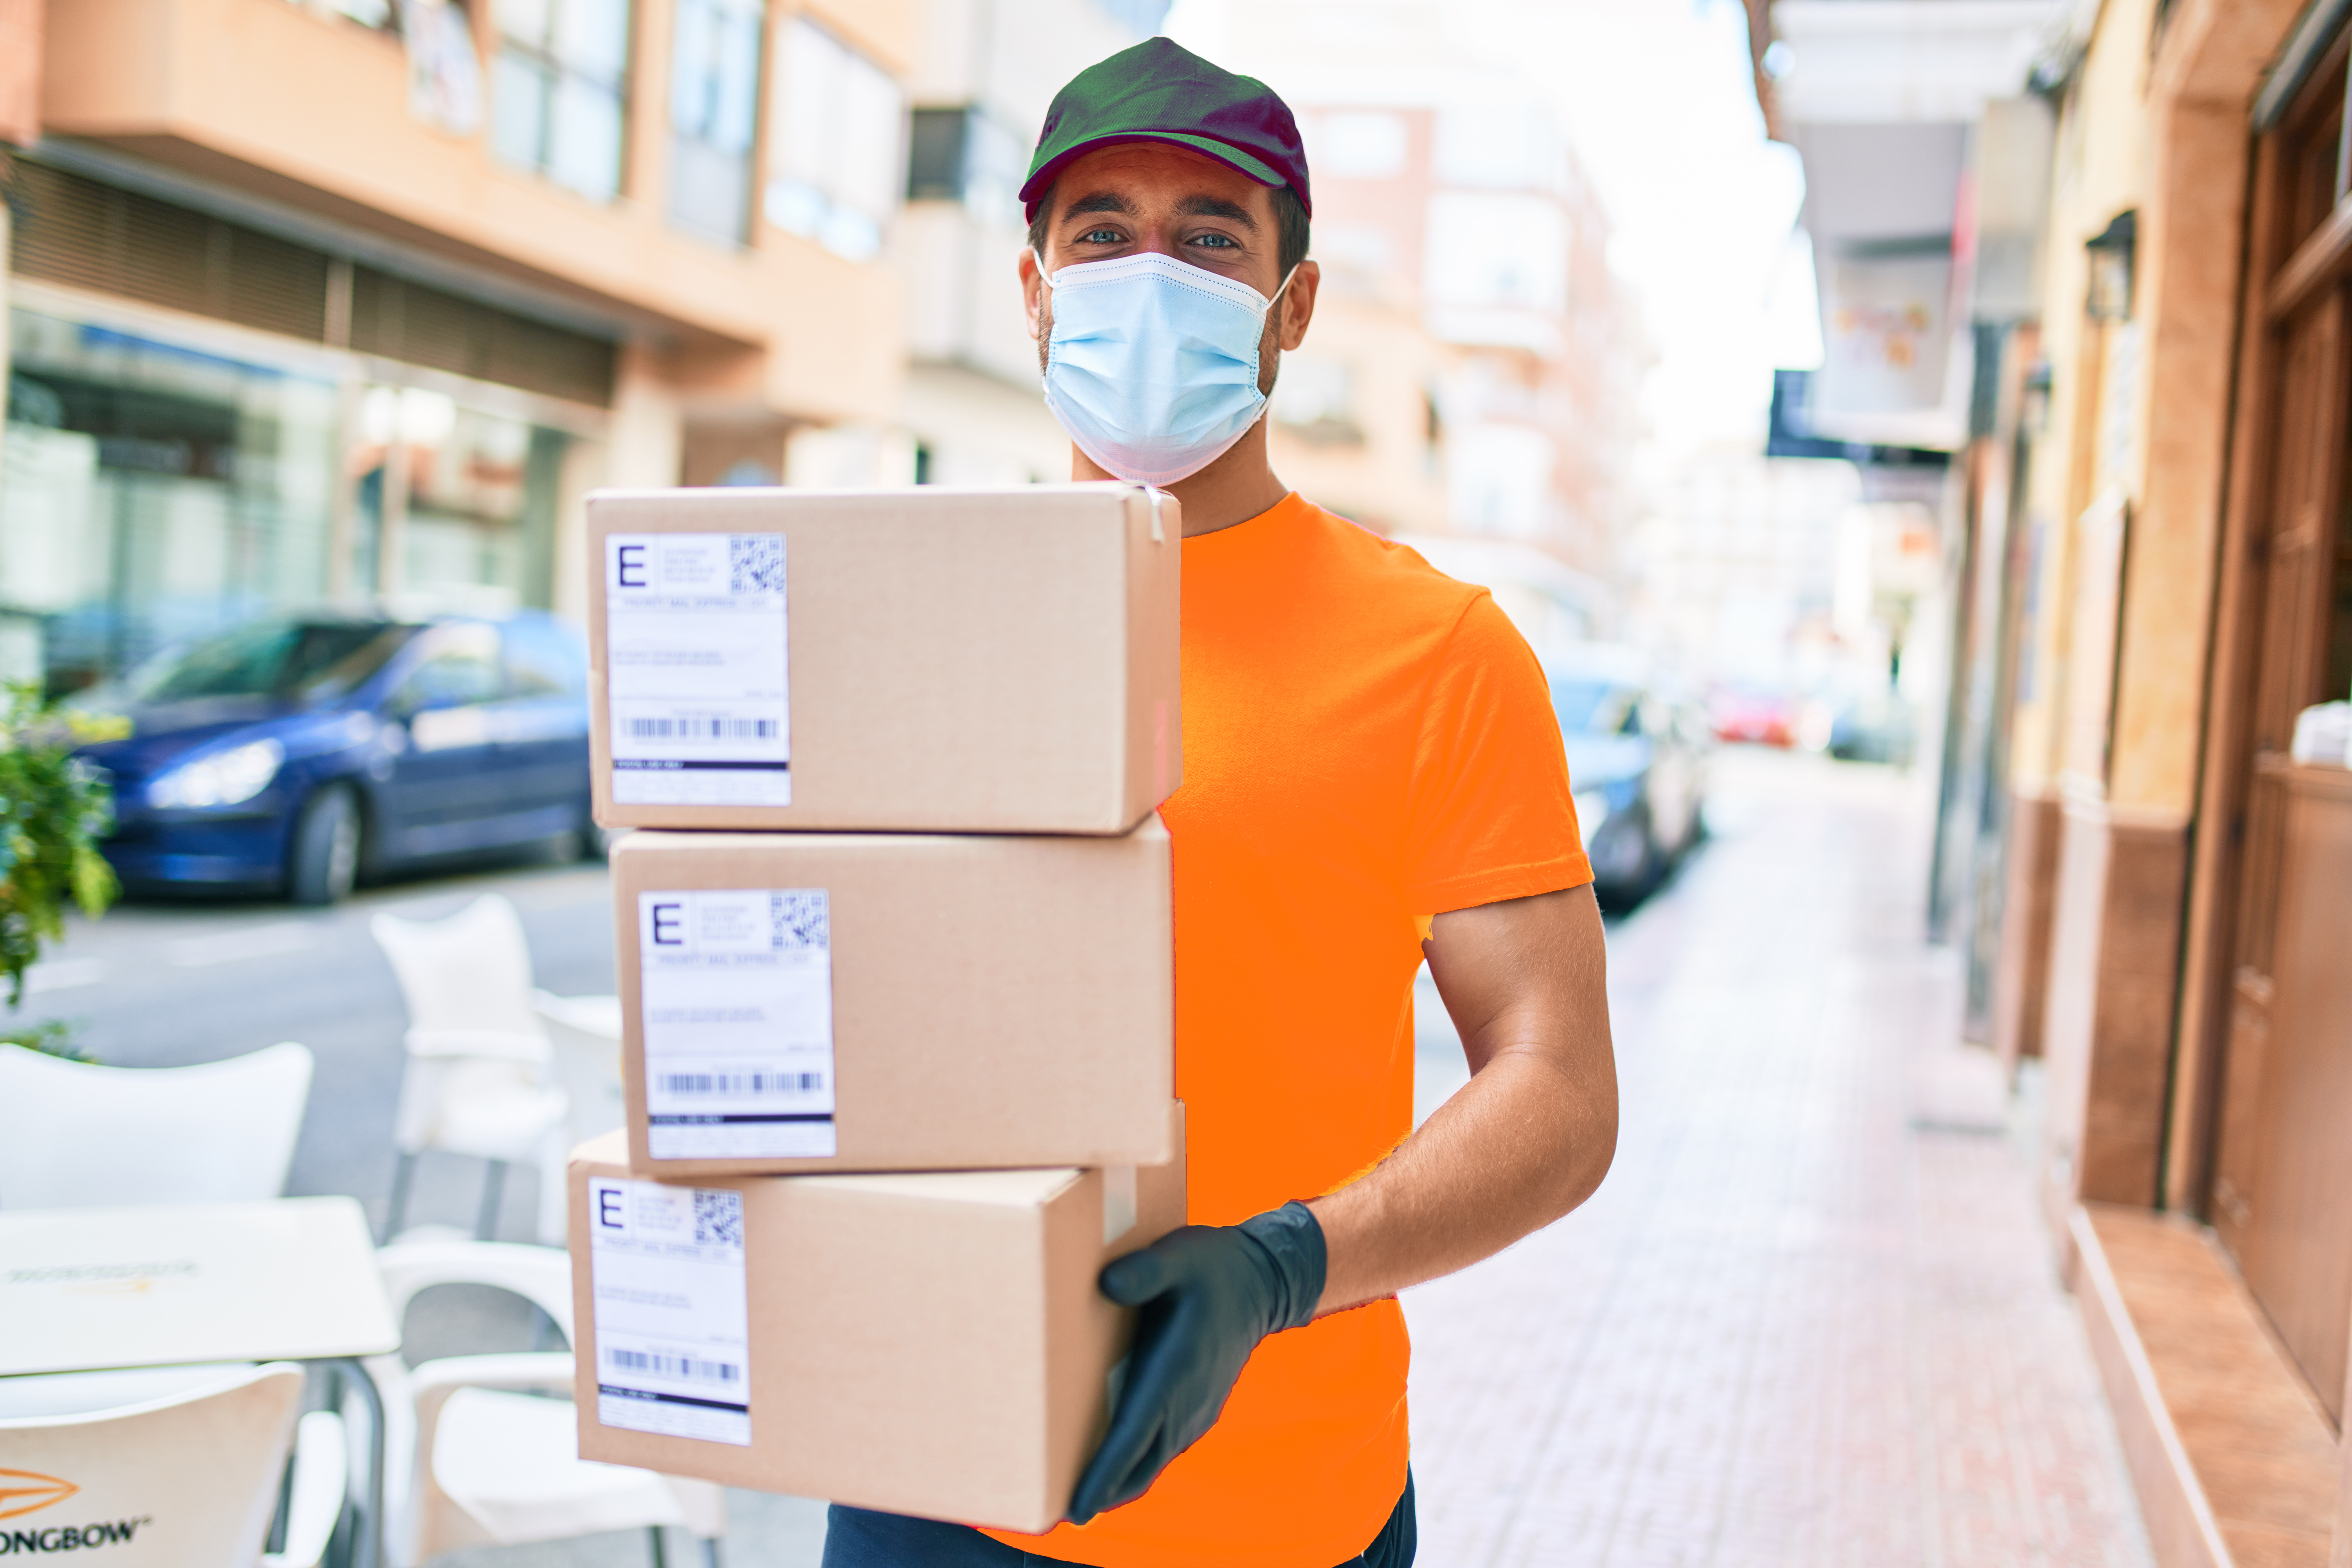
2282,1188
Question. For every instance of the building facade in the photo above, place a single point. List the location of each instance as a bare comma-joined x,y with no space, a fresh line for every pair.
2168,902
354,300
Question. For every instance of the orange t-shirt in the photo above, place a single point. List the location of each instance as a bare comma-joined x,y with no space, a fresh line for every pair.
1366,743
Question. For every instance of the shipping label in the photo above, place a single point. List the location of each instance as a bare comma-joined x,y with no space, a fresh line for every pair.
735,989
695,654
671,1325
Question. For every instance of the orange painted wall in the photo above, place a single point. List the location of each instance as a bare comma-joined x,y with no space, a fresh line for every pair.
264,86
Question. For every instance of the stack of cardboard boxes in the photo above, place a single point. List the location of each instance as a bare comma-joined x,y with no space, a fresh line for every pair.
895,957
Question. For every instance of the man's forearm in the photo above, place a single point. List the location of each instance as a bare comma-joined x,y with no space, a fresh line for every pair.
1518,1148
1525,1140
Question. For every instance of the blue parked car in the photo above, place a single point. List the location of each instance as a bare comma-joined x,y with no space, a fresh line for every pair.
1638,761
302,754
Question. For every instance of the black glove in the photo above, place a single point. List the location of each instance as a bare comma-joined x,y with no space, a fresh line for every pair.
1209,1293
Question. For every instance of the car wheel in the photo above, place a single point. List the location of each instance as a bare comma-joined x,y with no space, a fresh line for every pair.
325,859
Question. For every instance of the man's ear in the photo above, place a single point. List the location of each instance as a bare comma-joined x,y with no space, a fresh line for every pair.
1033,291
1298,303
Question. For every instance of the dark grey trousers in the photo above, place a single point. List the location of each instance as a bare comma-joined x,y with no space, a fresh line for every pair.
860,1538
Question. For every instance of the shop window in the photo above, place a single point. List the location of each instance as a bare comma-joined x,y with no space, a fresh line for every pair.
453,501
157,491
559,90
839,121
714,87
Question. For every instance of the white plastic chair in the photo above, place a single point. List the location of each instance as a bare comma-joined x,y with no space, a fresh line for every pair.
584,1033
477,1458
175,1465
75,1135
477,1057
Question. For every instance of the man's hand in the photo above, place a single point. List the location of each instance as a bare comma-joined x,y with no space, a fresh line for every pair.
1208,1294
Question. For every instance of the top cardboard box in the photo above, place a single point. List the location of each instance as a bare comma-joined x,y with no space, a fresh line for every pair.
916,661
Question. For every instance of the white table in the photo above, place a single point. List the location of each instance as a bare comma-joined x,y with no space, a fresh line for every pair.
292,1280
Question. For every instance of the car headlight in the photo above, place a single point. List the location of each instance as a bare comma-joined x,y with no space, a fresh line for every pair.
1591,811
224,778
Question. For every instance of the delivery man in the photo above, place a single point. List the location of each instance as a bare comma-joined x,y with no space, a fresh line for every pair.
1372,774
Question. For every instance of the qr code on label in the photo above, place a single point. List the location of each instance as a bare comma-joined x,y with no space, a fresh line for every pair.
717,1217
797,920
755,563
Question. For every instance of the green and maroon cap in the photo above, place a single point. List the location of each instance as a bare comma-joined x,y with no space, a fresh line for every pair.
1161,92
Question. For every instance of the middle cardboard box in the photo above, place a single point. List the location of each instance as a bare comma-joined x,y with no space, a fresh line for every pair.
895,1002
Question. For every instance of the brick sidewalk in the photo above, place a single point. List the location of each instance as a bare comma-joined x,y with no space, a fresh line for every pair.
1812,1317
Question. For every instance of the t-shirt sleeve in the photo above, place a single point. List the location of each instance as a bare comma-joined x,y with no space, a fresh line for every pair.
1491,816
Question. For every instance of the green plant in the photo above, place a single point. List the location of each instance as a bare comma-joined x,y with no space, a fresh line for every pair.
50,1036
54,809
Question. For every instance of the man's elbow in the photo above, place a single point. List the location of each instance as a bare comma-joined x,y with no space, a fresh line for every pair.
1592,1151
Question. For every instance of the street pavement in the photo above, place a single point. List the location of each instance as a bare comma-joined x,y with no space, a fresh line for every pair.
1811,1319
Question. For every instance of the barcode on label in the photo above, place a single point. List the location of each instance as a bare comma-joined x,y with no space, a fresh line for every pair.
742,1082
686,1366
698,728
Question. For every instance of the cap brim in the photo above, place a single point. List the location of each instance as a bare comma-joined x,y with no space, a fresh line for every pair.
1035,188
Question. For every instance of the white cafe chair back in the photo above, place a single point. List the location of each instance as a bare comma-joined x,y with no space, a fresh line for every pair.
76,1135
174,1468
477,1454
467,981
476,1080
584,1033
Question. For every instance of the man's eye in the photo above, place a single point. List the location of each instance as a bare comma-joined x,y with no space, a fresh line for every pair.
1218,242
1099,237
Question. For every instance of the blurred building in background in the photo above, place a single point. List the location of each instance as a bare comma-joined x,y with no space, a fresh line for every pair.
1475,366
985,74
322,300
1465,257
312,299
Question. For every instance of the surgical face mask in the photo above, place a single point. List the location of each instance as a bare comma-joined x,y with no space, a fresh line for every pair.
1152,364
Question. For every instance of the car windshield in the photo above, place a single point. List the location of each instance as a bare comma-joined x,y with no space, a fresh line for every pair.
1591,707
271,659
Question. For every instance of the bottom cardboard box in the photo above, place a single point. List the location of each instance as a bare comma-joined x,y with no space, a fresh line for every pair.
928,1343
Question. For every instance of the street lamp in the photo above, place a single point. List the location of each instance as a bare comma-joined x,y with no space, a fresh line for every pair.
2111,268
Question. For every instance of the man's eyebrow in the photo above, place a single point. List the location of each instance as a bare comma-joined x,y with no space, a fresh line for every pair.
1216,206
1103,202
